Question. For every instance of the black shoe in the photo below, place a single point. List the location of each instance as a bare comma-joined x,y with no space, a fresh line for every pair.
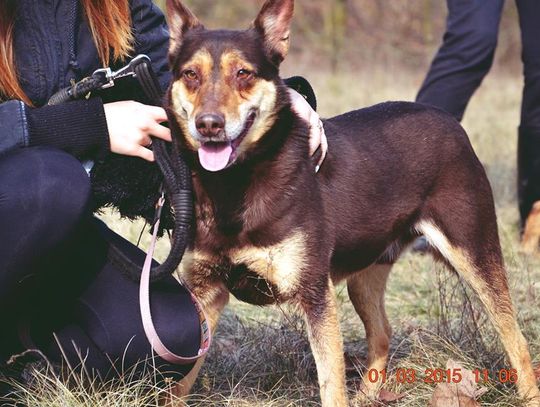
528,170
8,377
18,370
420,245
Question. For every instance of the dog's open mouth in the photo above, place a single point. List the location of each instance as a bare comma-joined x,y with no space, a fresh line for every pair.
216,156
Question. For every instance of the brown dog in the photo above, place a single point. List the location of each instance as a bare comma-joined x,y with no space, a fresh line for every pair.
268,229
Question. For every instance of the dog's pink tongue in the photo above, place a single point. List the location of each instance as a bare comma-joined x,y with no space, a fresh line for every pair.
215,157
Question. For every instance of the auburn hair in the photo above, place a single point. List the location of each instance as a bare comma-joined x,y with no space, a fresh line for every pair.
110,24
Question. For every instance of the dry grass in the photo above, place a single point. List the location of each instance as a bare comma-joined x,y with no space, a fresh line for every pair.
261,356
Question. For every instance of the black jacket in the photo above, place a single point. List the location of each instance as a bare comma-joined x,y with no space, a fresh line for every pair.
54,46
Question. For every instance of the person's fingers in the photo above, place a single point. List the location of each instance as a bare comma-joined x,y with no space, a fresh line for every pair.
314,133
146,142
317,139
157,113
324,148
159,131
144,153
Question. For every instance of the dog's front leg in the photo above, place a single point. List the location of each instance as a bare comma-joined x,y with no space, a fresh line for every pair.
213,300
324,334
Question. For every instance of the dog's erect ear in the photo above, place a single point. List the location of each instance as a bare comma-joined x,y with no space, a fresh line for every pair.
180,19
274,24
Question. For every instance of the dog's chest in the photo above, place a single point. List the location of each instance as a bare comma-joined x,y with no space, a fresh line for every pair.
257,275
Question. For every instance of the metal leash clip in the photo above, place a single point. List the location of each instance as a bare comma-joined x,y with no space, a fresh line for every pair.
102,78
159,206
107,76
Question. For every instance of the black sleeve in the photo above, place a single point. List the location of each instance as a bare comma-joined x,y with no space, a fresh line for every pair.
13,126
152,37
302,86
78,127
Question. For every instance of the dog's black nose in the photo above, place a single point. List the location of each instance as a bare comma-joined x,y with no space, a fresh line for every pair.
209,124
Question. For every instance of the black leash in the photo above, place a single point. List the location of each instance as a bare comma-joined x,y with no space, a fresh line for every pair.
176,173
101,79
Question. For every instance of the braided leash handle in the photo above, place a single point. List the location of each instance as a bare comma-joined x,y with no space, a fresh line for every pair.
177,182
77,91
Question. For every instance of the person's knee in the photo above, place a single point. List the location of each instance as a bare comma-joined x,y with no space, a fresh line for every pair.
472,27
45,184
474,45
483,39
109,312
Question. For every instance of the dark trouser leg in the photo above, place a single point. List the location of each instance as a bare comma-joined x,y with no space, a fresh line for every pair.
529,130
465,56
54,272
44,194
106,325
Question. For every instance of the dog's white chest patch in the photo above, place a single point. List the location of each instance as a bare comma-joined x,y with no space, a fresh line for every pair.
280,264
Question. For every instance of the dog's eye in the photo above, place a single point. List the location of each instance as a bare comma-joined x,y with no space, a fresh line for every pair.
243,74
191,75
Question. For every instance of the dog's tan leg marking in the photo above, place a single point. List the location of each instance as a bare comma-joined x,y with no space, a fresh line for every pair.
531,234
366,291
280,264
327,347
213,300
496,299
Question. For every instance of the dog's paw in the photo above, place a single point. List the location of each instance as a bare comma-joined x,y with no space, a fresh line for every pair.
374,394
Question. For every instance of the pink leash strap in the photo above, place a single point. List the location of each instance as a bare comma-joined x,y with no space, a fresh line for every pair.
144,301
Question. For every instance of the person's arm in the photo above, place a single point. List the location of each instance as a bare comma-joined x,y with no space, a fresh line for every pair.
120,127
317,136
304,102
87,129
13,126
78,127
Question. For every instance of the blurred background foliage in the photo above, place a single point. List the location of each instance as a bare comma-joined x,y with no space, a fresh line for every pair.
348,34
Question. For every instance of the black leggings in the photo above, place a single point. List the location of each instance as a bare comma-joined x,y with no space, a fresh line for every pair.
55,275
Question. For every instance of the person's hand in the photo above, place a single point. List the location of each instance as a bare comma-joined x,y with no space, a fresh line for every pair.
317,138
130,126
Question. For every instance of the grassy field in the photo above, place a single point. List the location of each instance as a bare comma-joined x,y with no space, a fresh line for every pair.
261,356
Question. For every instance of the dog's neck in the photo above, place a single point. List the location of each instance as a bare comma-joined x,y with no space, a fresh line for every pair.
244,196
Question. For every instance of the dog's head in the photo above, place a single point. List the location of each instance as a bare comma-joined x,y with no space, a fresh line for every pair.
226,91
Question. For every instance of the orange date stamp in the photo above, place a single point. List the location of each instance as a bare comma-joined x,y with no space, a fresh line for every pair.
435,376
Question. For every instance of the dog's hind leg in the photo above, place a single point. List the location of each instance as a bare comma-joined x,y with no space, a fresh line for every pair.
320,312
366,291
468,241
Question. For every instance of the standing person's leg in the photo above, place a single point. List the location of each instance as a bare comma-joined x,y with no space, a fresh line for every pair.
462,61
529,129
465,56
